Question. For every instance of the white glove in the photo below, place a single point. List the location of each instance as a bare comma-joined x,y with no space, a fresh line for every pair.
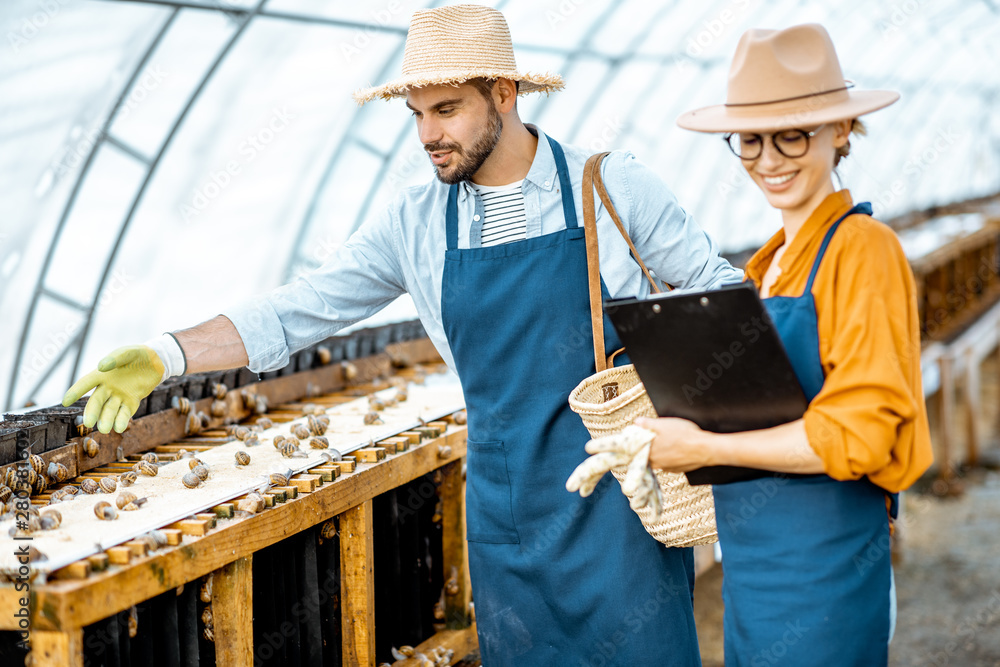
631,448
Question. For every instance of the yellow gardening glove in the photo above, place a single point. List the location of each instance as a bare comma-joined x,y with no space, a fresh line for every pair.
122,379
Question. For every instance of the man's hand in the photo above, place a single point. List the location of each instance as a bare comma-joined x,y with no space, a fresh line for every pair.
122,379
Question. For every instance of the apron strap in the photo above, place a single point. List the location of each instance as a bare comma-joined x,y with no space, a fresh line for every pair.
451,218
592,179
569,206
861,207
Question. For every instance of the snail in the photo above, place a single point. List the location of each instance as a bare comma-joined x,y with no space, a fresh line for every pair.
127,478
180,404
105,511
300,431
124,498
332,455
37,463
218,408
146,468
241,432
260,405
5,493
277,440
151,457
375,403
459,417
70,490
31,476
193,425
108,484
58,472
88,485
191,480
318,424
373,418
324,355
319,442
194,461
201,472
280,478
265,423
220,390
134,505
252,441
41,483
288,449
91,447
50,519
205,593
401,395
349,369
242,458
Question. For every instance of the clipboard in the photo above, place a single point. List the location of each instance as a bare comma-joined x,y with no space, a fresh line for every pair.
714,358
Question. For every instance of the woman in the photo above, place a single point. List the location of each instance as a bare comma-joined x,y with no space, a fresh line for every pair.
806,560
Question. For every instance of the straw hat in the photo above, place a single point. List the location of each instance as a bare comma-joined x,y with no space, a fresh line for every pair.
783,79
454,44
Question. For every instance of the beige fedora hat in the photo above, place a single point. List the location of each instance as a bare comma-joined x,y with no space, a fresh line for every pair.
450,45
783,79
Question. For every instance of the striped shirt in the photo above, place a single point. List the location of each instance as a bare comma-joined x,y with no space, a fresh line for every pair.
504,219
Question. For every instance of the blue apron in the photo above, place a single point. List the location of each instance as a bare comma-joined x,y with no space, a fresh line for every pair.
806,568
557,579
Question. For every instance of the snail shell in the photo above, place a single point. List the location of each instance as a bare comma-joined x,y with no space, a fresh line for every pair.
319,442
252,441
241,432
146,468
105,511
242,458
277,440
201,472
32,477
329,530
37,463
332,455
50,519
220,390
279,479
265,423
301,431
124,498
349,369
260,405
151,457
375,403
373,418
108,484
91,446
324,355
70,490
127,478
287,449
5,493
135,504
193,462
316,426
205,593
191,480
180,404
193,424
459,417
218,408
41,483
157,538
88,485
401,395
58,472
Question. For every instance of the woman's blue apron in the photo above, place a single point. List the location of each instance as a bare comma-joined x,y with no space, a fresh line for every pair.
557,579
806,566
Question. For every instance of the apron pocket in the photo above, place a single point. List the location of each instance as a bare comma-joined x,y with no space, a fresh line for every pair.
488,495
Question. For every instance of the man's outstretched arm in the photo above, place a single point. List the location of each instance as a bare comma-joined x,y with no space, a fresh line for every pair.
127,375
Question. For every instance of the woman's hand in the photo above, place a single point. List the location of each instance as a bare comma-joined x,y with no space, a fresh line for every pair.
680,445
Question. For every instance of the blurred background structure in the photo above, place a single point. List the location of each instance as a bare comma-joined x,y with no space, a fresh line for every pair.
163,159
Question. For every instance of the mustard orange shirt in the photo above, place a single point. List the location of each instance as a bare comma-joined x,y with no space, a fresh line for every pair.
869,418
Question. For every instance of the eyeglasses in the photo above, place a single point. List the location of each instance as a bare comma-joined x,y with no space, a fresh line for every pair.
790,143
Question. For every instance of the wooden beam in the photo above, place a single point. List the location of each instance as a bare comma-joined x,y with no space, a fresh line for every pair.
972,405
946,398
457,588
232,613
57,649
72,604
357,585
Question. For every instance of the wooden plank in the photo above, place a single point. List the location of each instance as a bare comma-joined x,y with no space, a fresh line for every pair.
80,603
457,588
98,562
173,536
305,483
370,454
973,393
461,642
947,410
232,613
196,527
57,649
78,570
357,585
119,556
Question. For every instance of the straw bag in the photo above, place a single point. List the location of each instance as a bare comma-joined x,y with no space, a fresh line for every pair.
614,398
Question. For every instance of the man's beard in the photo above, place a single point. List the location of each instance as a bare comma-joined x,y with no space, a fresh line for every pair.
467,163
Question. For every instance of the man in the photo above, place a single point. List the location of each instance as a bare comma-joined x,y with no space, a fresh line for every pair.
493,255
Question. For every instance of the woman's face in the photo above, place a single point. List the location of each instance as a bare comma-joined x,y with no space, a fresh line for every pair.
799,184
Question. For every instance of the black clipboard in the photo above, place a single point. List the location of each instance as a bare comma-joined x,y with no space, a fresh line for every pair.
714,358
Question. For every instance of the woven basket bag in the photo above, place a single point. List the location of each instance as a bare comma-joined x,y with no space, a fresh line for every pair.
614,398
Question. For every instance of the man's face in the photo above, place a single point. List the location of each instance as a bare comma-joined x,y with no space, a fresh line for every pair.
458,127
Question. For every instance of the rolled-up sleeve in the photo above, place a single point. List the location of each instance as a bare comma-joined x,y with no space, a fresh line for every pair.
668,238
358,280
868,416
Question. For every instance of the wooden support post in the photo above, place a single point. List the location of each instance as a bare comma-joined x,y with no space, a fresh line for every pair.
232,613
57,649
972,403
357,585
457,588
947,410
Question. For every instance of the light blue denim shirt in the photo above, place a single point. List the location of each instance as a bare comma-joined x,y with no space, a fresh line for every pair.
402,250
